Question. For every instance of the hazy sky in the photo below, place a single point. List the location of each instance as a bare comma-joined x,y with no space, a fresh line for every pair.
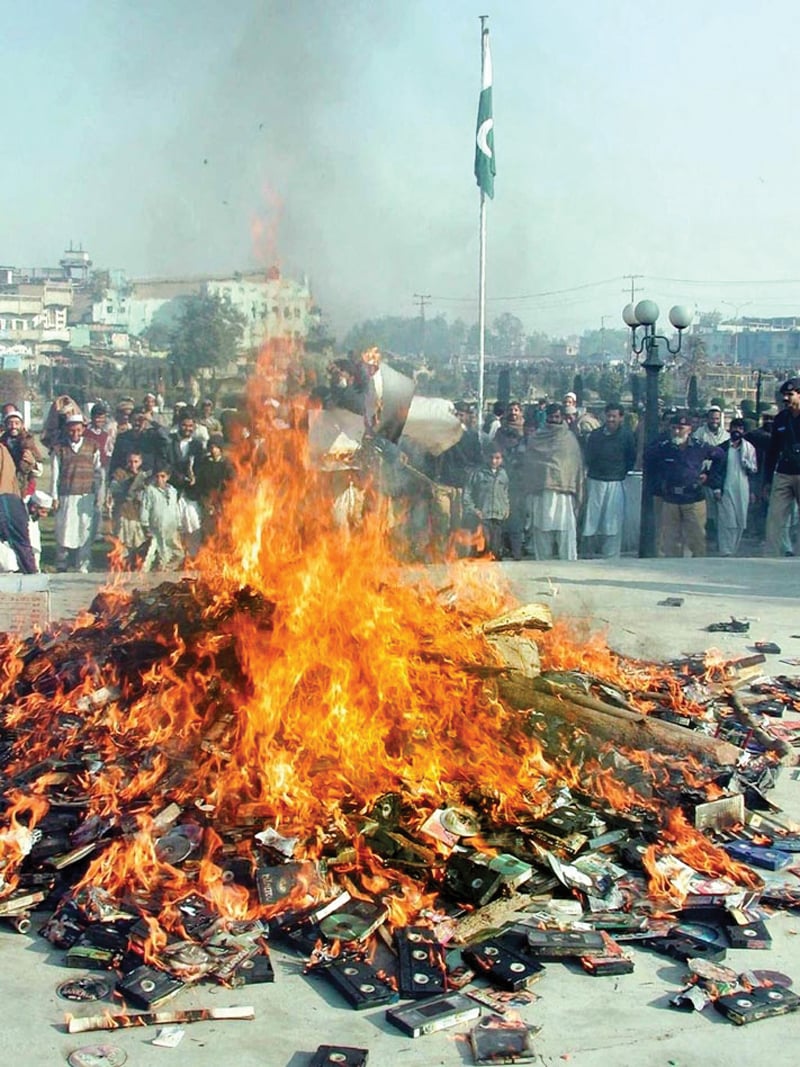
337,138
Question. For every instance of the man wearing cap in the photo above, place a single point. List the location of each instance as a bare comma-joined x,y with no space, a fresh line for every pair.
151,409
184,453
782,473
77,477
713,433
24,452
98,435
679,469
207,421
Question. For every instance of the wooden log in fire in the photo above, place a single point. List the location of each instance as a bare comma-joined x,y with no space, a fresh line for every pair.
120,1020
616,724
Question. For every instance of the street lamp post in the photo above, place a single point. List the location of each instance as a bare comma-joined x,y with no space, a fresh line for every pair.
643,316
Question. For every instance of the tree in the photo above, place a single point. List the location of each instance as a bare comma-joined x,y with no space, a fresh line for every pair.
509,336
207,335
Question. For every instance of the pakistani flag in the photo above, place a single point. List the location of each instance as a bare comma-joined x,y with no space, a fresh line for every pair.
485,168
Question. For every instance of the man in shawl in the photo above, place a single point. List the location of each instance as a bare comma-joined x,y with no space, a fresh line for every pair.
77,482
552,473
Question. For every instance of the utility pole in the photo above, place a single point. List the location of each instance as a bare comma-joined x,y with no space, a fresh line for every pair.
633,278
422,299
603,335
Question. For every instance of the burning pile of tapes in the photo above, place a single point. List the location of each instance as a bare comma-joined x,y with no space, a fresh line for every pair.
455,906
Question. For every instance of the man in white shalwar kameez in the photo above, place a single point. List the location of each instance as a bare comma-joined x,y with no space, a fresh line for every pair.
734,497
76,484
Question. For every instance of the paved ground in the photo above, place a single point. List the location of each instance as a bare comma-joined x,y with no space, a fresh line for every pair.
585,1021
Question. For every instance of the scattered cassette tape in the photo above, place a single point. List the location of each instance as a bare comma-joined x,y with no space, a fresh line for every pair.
611,961
357,921
496,1039
471,881
514,872
421,962
358,982
438,1013
770,859
339,1056
753,935
499,962
253,968
684,947
761,1002
147,988
556,944
275,884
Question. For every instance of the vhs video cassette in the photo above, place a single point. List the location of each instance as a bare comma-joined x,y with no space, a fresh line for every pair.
438,1013
421,962
356,921
761,1002
501,964
359,983
147,988
468,880
339,1056
753,935
496,1039
556,944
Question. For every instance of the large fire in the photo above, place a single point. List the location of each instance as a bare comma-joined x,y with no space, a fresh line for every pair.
300,676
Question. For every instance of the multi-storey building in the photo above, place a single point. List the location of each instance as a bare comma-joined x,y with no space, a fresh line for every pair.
273,307
34,320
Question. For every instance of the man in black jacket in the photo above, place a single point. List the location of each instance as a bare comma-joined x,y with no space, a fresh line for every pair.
783,466
610,452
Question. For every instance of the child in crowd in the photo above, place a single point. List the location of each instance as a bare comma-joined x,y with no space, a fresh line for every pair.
160,517
486,494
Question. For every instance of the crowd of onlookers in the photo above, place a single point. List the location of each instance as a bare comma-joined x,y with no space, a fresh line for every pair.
552,480
540,480
152,479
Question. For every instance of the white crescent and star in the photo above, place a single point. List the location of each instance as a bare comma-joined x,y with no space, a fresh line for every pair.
482,135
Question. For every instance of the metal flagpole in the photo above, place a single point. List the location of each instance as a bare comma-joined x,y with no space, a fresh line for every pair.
482,257
482,309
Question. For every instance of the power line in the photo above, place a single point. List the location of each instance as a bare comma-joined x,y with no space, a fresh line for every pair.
531,296
695,281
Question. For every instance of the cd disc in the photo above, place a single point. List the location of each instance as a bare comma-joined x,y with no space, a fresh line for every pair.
87,987
173,848
701,931
459,821
773,978
98,1056
343,926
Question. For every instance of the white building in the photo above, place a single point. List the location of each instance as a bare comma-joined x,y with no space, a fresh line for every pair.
33,321
272,306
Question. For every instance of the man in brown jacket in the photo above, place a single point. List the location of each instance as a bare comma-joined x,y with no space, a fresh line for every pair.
77,482
14,528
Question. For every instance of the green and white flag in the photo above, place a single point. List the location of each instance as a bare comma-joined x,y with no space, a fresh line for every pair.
485,168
